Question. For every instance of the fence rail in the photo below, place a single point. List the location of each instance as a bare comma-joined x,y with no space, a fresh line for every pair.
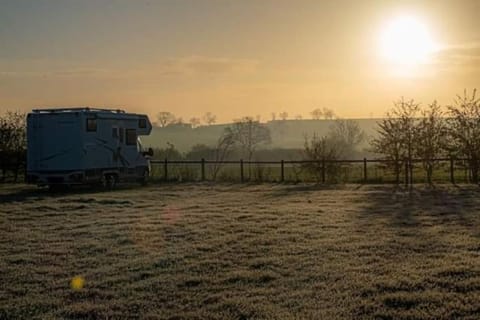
452,170
448,169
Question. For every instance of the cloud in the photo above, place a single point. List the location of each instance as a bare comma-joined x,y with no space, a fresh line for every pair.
200,65
75,72
466,55
81,72
179,66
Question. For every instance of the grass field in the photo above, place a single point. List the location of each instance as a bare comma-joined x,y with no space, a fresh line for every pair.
230,251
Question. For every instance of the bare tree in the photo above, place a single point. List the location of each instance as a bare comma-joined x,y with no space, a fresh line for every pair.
274,116
12,131
431,138
316,114
341,142
389,143
464,129
283,115
222,150
397,136
328,114
323,151
165,118
12,142
209,118
298,117
407,113
248,134
195,122
347,135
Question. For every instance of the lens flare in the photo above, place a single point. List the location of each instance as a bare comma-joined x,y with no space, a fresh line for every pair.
77,283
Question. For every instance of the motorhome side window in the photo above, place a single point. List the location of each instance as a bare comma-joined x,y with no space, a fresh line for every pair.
131,137
91,125
115,133
120,134
142,123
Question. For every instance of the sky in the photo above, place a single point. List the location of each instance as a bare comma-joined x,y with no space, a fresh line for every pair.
234,58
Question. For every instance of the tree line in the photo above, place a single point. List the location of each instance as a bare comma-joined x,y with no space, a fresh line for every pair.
409,132
245,136
412,131
167,118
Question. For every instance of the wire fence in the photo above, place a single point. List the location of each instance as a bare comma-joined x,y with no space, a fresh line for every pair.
445,170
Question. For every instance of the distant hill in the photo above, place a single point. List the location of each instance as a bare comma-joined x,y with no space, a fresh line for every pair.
285,133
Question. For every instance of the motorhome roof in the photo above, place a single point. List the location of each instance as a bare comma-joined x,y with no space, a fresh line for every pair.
79,109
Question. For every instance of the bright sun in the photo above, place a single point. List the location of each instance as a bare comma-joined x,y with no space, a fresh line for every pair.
406,42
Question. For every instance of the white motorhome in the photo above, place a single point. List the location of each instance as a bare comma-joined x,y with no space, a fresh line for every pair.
86,146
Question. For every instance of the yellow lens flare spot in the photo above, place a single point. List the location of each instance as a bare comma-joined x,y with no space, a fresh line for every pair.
77,283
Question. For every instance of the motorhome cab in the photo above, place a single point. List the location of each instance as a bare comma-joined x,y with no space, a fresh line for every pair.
86,146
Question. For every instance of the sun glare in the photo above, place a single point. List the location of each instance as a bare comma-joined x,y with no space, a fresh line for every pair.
406,42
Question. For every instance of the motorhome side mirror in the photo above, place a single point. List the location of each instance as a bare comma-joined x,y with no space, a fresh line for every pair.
149,152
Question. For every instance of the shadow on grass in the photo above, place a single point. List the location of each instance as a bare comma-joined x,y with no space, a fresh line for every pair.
20,193
422,238
285,190
404,206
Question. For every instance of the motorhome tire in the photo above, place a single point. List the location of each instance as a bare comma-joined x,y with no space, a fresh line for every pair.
144,177
109,181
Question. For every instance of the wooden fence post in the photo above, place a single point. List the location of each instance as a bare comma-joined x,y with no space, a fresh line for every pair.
410,172
282,171
241,170
406,172
323,170
165,170
203,169
465,165
321,164
452,168
365,170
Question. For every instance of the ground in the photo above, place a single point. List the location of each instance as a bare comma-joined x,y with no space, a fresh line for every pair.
231,251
